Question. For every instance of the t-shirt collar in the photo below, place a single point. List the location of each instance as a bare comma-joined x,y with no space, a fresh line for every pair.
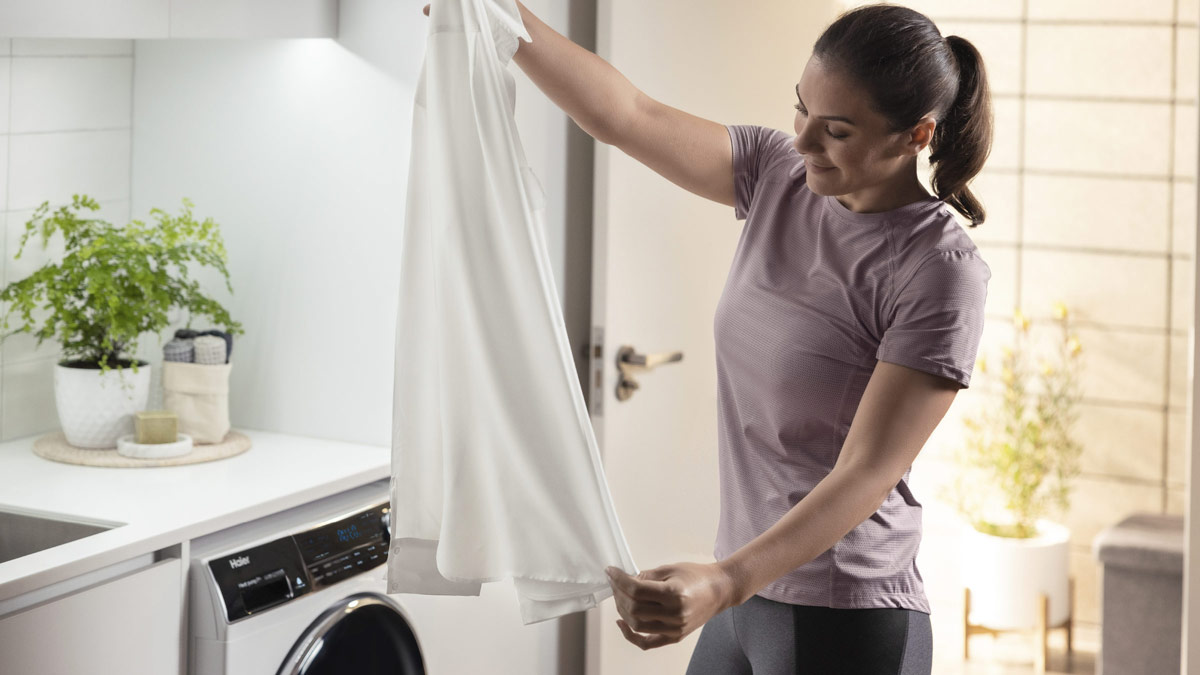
837,208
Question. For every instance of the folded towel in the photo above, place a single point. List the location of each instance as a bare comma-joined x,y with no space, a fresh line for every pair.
210,350
179,349
189,333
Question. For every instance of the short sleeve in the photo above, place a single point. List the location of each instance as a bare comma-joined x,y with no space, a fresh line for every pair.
756,151
936,319
505,21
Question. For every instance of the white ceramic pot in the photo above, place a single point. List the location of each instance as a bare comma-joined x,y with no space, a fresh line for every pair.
95,410
1006,575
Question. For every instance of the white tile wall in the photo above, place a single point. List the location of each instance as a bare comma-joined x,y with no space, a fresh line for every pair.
51,89
1185,141
1177,449
1117,290
1178,376
1094,164
1176,501
1000,45
1107,138
53,165
940,9
1082,60
1121,441
298,150
1183,218
1188,11
1108,501
28,398
1183,295
1119,366
998,193
1092,10
65,118
1186,76
1098,213
1006,134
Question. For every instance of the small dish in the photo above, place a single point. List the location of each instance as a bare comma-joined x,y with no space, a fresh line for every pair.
181,446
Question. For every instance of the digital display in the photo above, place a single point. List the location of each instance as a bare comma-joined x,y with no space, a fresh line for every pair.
325,543
348,533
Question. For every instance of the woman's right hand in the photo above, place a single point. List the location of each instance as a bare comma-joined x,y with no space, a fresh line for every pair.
426,10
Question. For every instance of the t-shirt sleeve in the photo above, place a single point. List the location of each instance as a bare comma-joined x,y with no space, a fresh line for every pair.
507,27
936,320
756,151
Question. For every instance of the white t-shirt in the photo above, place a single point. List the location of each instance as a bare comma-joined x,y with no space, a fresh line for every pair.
496,472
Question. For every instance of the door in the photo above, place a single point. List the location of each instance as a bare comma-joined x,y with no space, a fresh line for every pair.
660,257
365,634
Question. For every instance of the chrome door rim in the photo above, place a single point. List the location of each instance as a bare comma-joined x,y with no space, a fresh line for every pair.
302,652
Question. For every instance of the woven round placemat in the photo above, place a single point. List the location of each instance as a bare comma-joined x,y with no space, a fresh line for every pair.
55,447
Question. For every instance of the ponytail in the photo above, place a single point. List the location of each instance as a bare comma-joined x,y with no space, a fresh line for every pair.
963,139
898,55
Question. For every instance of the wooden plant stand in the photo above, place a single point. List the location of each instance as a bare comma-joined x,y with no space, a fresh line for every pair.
1041,629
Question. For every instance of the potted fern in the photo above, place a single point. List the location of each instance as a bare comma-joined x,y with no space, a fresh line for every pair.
1017,465
113,284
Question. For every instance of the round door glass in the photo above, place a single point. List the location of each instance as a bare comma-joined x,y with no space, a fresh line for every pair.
369,640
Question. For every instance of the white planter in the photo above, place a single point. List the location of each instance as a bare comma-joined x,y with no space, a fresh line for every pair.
1005,576
95,410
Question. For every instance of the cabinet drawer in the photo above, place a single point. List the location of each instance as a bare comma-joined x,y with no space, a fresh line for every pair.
131,625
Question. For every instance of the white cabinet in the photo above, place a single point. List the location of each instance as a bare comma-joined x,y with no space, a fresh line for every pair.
141,19
130,625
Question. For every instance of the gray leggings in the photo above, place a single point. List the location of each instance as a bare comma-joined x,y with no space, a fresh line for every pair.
765,637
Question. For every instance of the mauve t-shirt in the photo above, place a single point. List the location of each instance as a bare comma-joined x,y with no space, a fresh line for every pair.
816,295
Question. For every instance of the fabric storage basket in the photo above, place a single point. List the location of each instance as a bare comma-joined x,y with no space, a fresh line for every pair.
199,395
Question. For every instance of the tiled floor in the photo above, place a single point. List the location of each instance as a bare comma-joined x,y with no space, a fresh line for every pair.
1007,654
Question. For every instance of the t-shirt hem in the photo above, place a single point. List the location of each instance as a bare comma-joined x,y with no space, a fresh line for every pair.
795,596
740,211
924,365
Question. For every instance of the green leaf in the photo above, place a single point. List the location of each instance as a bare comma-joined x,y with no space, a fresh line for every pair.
113,284
1023,449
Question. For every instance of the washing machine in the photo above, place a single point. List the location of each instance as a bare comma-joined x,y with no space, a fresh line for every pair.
303,592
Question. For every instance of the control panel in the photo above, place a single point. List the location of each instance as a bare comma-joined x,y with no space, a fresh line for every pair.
269,574
344,548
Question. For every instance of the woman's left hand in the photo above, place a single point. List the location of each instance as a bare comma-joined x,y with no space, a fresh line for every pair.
670,601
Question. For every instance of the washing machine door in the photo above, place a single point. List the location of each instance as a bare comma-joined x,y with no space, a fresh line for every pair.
364,634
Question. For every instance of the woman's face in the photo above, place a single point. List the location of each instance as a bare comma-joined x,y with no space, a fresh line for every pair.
848,147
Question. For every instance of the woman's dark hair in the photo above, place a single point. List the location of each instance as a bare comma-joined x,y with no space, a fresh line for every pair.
909,70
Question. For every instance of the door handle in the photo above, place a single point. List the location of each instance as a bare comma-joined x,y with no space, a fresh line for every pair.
630,362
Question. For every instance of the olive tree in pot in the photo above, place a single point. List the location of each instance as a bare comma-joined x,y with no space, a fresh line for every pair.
113,284
1016,467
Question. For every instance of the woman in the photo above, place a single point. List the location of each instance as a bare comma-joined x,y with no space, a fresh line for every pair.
850,319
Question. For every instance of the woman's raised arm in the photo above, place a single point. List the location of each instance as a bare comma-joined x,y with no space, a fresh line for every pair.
692,152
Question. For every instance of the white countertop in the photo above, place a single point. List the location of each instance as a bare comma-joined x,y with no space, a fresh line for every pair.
164,506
